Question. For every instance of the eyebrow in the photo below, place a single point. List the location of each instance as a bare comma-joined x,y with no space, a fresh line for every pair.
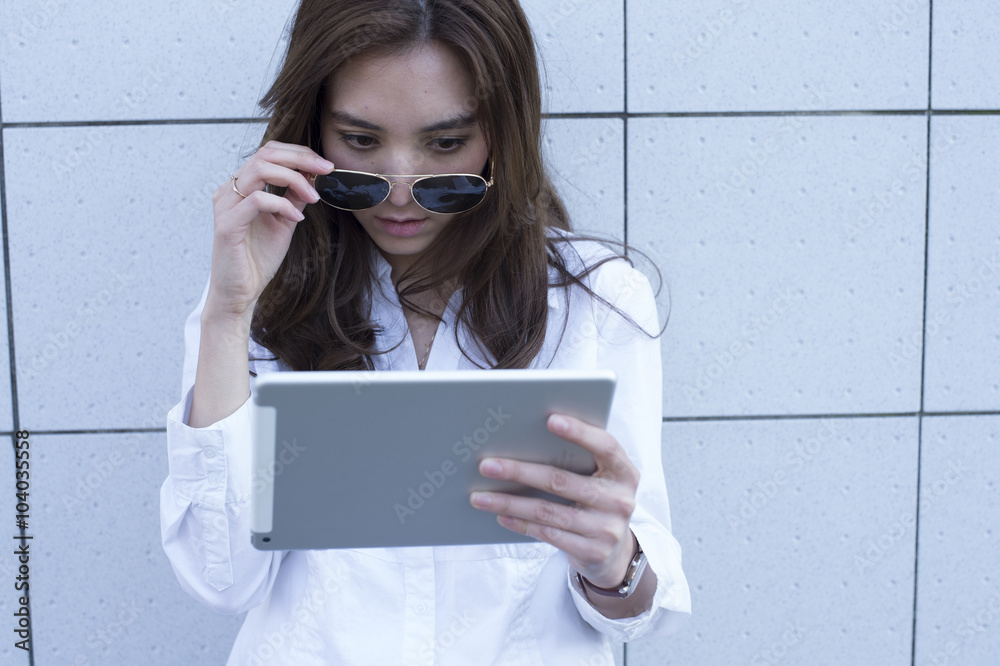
459,121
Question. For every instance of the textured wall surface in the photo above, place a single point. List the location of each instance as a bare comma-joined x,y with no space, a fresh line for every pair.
816,181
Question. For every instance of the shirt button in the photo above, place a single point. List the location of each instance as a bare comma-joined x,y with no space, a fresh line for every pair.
214,479
210,452
420,608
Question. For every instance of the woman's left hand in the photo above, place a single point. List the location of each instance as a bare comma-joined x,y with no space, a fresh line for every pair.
594,532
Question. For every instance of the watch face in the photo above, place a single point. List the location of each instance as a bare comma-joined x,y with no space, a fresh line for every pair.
634,574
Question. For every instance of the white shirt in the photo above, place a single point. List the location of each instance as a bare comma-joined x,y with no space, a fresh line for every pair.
487,604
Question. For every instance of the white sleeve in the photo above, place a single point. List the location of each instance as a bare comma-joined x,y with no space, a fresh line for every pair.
636,423
205,499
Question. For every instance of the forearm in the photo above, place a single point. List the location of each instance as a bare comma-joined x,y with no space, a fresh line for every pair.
222,382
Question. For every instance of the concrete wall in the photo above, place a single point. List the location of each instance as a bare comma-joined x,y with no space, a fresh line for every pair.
816,181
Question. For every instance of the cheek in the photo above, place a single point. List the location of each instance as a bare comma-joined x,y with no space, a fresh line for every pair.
440,220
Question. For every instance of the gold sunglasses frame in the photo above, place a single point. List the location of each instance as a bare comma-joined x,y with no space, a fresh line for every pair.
419,177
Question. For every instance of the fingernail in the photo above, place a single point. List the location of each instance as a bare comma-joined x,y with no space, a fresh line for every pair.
481,500
489,466
326,164
558,423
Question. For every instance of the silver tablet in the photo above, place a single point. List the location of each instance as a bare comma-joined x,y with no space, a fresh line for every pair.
385,459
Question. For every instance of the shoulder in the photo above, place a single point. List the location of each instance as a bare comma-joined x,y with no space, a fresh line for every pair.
608,273
580,253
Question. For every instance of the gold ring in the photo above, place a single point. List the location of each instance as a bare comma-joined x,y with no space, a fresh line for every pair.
236,190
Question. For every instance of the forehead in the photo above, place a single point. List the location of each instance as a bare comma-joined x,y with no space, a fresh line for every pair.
404,92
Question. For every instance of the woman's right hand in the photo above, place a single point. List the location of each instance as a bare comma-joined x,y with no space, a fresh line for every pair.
252,234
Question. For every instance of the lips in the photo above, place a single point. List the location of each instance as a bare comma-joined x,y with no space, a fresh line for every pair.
401,228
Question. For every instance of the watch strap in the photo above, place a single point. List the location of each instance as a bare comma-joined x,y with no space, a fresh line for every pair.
631,581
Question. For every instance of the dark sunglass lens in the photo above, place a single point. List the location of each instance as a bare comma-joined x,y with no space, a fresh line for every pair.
353,191
450,194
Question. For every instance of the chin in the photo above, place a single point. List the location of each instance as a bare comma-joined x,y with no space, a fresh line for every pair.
401,247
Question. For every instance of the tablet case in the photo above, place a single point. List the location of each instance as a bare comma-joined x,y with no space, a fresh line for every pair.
384,459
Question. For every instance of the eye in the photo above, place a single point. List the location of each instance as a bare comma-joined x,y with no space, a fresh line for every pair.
359,141
448,144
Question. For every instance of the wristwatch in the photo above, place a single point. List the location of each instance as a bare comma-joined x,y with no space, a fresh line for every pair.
631,581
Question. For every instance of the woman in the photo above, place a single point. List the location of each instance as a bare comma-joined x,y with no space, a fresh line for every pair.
472,269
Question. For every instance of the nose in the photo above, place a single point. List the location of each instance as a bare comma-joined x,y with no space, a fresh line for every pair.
400,194
403,164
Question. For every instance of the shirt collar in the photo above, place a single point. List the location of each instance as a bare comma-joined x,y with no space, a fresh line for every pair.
381,267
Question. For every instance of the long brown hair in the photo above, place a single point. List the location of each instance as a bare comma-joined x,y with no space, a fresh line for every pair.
314,314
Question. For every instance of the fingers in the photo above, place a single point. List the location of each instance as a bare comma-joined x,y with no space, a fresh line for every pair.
257,174
260,201
593,541
542,512
612,461
594,531
281,165
292,156
568,542
584,490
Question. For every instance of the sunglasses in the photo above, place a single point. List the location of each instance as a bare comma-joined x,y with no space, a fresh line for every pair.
447,193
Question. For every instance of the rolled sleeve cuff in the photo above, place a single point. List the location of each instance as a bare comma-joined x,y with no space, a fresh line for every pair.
671,605
203,466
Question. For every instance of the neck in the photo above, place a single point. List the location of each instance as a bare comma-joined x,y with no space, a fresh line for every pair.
399,266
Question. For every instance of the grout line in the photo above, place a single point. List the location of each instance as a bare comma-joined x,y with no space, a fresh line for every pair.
99,431
916,545
923,345
666,419
769,114
625,56
848,415
967,112
927,253
625,171
131,123
786,417
780,113
7,286
979,413
625,117
545,116
930,55
13,369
